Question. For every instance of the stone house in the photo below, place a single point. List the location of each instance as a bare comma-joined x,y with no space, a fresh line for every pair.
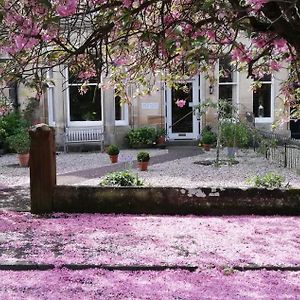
65,108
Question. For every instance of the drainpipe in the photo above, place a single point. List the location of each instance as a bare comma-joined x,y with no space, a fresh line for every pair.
13,94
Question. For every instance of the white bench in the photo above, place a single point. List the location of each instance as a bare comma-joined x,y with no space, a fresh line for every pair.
84,135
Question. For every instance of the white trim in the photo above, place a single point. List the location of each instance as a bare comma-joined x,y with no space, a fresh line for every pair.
51,106
50,98
195,94
81,123
272,110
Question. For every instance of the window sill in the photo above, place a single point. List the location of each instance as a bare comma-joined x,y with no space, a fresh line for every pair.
85,123
263,120
121,123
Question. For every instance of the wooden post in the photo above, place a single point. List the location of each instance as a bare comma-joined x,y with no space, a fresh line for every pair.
42,168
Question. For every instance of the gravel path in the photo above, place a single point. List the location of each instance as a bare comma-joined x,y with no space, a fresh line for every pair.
84,168
11,175
185,173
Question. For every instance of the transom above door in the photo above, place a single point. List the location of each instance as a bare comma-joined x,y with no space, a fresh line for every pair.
181,121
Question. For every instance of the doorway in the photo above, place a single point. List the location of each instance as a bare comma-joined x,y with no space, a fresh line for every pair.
182,123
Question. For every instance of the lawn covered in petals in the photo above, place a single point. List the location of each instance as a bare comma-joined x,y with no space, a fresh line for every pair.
98,284
149,240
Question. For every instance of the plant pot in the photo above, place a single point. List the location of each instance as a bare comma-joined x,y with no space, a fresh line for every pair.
161,142
206,147
113,158
231,151
23,159
143,165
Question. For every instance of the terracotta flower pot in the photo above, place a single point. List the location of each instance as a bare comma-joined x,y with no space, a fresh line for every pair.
161,140
143,165
113,158
206,147
23,159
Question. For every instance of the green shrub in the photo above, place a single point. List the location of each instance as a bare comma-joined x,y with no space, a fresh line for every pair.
268,180
121,178
234,134
208,137
143,156
20,142
10,125
113,150
144,136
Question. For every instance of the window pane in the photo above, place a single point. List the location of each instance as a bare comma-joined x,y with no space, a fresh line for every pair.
225,92
86,107
118,109
266,77
226,73
262,101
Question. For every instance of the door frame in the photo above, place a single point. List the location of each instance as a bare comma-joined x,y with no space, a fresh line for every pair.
196,82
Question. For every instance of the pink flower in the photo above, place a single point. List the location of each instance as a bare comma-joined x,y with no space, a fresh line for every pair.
127,3
257,4
279,43
180,103
66,8
274,65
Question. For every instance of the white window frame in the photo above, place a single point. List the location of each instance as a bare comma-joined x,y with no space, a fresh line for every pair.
50,98
81,123
262,120
235,84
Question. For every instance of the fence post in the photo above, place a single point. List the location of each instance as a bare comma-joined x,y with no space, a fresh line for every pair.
42,168
285,156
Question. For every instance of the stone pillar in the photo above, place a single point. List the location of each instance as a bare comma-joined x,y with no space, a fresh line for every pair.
42,168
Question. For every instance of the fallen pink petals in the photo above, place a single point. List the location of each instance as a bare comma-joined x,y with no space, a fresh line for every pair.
99,284
158,240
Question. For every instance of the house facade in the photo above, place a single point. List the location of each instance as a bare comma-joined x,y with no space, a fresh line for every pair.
64,106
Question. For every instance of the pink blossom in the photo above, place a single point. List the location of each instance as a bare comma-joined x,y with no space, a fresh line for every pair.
241,55
180,103
257,4
210,34
187,28
120,61
274,65
66,7
127,3
85,75
279,43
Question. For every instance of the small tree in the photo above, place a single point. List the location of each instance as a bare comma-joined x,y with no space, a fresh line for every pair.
226,112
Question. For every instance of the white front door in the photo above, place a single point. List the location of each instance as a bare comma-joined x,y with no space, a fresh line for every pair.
182,123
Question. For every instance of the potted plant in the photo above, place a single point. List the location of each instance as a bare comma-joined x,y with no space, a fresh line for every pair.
143,160
160,137
20,142
113,152
207,139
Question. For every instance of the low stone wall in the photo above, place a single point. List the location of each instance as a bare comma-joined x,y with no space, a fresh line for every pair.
171,201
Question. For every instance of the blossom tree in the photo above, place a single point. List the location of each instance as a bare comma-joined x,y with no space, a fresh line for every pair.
140,40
